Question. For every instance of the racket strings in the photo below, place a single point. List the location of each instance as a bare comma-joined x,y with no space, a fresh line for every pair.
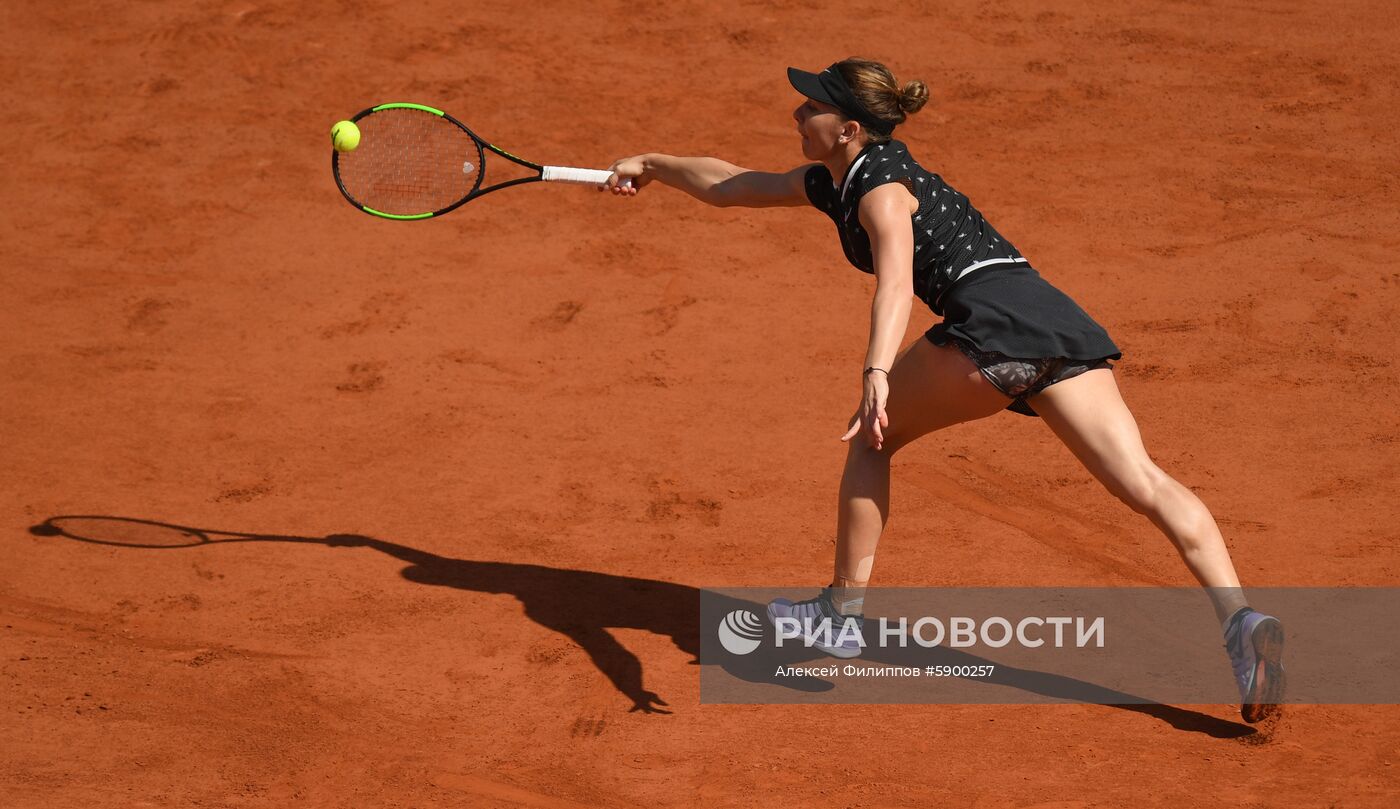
409,162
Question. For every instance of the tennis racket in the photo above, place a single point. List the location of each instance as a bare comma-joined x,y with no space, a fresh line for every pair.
417,162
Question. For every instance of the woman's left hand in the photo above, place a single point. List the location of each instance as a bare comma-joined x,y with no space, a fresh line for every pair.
870,418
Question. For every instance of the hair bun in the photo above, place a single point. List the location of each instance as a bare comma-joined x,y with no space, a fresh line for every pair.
913,97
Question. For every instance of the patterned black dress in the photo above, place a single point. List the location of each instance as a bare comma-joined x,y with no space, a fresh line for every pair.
987,292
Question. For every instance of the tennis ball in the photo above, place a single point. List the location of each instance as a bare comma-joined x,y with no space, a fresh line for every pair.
345,136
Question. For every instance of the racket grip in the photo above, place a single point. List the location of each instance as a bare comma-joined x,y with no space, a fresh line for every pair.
564,174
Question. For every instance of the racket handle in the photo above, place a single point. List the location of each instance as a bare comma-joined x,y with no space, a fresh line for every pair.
564,174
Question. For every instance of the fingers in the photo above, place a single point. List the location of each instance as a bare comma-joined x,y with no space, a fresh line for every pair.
855,428
622,186
625,179
878,425
612,177
875,427
872,423
871,428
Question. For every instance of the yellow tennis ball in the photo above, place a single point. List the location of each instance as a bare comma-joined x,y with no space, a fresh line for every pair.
345,136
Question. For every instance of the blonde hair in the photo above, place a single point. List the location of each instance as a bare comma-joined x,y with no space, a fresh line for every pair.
875,87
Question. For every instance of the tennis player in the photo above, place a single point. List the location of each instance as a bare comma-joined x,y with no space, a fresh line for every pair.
1008,341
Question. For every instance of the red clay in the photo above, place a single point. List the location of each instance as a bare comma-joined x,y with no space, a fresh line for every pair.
618,401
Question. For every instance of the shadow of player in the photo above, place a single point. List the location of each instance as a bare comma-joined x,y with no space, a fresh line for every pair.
583,605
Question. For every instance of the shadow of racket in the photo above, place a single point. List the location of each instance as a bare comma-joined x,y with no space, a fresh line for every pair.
129,532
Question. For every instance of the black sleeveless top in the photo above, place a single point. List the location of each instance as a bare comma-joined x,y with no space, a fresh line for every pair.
951,239
967,272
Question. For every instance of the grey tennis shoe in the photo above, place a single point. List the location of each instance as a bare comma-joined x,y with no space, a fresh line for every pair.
820,625
1255,644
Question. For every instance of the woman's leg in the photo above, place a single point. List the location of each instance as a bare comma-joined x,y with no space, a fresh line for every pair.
1089,416
931,387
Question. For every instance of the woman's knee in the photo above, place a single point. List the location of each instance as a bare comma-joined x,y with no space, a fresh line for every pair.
1140,487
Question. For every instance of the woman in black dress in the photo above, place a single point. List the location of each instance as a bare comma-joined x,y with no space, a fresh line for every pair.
1008,340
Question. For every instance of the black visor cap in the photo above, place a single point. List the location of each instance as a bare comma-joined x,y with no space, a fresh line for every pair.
810,85
829,88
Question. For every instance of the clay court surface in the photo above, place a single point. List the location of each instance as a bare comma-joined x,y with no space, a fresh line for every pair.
479,465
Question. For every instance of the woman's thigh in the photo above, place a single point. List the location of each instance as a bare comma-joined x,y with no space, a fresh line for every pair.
932,387
1088,414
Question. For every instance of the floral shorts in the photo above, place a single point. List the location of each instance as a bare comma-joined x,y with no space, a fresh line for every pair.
1020,378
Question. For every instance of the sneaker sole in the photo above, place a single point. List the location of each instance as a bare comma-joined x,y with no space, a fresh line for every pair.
814,641
1266,693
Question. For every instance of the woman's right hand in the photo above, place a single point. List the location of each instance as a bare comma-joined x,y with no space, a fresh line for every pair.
631,169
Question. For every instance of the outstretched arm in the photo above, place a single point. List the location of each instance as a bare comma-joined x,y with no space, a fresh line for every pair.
711,180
